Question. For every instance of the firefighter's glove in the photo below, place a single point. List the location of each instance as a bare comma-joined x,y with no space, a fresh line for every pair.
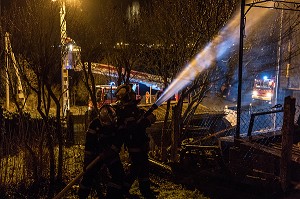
108,153
146,122
151,118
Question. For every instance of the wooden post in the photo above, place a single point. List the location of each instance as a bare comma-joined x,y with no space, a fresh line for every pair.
287,142
175,134
70,129
150,95
2,126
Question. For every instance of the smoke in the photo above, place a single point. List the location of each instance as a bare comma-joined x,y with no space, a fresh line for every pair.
228,36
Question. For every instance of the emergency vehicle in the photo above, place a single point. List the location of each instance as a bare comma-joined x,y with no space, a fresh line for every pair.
105,94
263,89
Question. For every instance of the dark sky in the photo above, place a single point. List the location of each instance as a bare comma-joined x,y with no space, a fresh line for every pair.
4,3
93,5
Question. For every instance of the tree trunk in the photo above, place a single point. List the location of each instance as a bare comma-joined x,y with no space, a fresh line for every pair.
51,163
164,133
175,133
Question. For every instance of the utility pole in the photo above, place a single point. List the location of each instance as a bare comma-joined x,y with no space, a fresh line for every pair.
6,61
64,70
7,77
10,58
278,67
70,54
288,67
240,69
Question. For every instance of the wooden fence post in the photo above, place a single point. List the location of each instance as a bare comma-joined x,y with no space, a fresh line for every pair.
70,137
287,142
1,120
175,134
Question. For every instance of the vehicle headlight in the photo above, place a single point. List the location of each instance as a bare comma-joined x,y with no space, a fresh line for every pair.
254,93
269,94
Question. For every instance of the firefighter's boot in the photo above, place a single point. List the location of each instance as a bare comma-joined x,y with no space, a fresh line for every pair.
146,190
83,193
114,191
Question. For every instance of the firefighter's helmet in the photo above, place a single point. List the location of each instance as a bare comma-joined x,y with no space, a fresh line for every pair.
125,94
107,115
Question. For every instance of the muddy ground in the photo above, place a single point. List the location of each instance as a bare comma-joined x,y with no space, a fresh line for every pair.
213,185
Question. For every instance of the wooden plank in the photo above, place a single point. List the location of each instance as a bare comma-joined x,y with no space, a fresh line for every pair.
273,151
287,142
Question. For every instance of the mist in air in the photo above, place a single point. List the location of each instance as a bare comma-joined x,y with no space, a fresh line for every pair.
214,50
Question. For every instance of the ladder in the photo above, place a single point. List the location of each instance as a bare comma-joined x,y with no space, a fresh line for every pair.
10,56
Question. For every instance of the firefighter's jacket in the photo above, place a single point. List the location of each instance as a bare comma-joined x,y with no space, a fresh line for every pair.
100,139
136,140
132,129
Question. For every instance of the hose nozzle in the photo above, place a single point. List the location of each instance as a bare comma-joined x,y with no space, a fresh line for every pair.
148,112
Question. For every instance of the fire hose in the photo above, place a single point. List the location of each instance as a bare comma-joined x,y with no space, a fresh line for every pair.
91,165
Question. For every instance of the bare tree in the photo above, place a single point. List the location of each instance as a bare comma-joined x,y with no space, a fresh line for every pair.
122,41
36,26
178,30
89,37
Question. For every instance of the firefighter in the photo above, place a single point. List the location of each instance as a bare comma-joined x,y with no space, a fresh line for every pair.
135,137
102,138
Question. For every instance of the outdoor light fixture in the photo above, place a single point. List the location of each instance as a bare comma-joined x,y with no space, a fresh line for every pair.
112,83
255,93
269,95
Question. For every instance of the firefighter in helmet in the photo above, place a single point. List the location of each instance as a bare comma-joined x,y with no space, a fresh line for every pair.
102,138
135,138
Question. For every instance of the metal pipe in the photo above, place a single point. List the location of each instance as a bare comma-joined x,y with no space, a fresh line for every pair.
278,67
240,69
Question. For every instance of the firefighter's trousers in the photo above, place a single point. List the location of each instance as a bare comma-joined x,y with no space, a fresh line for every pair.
114,186
139,169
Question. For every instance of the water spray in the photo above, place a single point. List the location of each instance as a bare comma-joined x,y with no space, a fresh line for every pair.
214,50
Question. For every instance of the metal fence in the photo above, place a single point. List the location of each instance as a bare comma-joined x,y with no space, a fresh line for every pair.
209,142
24,148
20,145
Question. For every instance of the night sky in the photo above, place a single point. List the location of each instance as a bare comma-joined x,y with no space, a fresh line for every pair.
92,5
95,5
4,3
